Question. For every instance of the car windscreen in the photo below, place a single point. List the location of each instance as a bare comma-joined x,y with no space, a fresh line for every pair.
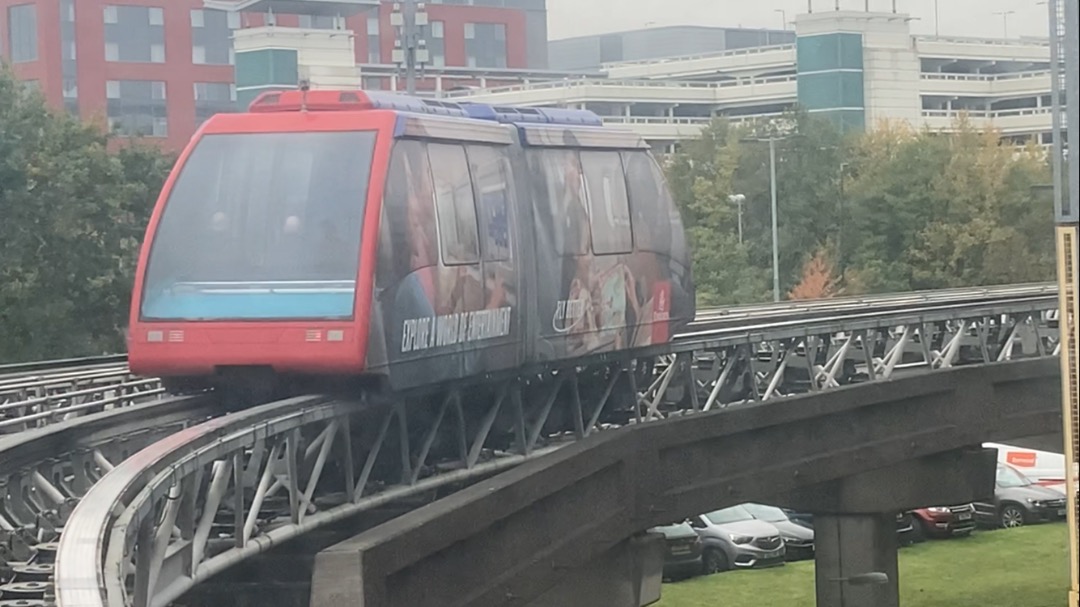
769,514
262,225
734,514
1008,478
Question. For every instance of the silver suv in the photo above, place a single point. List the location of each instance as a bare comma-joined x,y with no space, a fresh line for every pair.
733,538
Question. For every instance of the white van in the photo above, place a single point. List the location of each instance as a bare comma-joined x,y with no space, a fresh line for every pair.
1042,467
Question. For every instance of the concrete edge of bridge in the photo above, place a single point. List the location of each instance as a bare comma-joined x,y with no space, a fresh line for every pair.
514,537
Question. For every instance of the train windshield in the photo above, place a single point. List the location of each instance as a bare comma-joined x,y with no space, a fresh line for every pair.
262,225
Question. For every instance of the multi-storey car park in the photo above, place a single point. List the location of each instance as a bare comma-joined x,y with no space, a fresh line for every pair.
857,67
860,68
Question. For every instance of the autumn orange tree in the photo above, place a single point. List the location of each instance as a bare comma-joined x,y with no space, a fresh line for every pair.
819,279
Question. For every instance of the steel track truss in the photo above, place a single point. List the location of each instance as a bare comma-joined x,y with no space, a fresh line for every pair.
190,506
44,473
33,402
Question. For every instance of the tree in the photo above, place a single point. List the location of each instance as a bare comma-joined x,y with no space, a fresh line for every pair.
819,280
946,210
894,209
73,215
701,182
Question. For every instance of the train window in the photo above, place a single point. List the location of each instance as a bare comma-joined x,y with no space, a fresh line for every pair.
454,201
559,196
651,205
250,210
494,190
608,209
409,205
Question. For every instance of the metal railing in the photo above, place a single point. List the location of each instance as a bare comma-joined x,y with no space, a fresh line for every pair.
37,394
757,50
200,501
636,84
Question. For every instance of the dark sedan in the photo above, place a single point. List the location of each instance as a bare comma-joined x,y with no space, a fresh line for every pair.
683,557
1018,501
798,537
904,524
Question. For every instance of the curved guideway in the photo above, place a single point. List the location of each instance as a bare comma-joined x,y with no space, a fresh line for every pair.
200,501
33,395
45,472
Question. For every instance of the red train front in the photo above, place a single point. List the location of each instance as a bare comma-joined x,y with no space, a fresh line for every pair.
329,233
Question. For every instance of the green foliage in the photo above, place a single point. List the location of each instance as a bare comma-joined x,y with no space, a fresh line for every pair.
895,209
72,213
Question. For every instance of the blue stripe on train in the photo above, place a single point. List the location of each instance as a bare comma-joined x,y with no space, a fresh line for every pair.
247,306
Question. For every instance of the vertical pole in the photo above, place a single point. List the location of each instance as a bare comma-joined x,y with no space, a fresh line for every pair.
1056,76
1064,32
775,229
740,201
840,229
937,18
409,16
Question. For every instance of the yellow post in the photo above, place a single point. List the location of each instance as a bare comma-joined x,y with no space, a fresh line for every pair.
1068,239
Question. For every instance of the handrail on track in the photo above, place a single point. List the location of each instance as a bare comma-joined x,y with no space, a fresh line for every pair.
61,364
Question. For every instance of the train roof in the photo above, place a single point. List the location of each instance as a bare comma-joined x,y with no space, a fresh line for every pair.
434,118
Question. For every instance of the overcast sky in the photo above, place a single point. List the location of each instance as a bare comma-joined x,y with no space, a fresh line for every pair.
569,18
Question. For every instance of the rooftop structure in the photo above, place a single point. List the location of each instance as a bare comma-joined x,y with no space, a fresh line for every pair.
858,68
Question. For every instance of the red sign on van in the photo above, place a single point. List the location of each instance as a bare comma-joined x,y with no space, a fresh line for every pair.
1021,459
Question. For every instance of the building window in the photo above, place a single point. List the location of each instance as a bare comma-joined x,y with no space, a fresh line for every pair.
23,33
69,56
318,22
211,36
374,51
485,44
137,107
213,98
437,44
134,34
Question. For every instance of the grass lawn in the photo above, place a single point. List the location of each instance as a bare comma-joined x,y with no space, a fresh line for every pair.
1027,566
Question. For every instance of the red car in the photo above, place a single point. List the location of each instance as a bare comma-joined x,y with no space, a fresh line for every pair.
943,521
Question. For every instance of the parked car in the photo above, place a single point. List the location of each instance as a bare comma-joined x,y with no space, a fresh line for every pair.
904,524
941,522
905,529
683,556
1019,501
798,538
733,538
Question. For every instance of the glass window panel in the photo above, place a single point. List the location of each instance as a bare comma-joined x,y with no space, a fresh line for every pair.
454,202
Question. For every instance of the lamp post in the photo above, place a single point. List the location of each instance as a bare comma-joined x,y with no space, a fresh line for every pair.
738,200
775,229
783,15
410,48
1005,20
772,137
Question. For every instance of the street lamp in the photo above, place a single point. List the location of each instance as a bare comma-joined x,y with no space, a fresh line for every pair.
783,15
410,48
775,130
738,200
772,139
1005,20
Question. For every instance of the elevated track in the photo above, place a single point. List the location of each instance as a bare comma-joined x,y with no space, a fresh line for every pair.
169,510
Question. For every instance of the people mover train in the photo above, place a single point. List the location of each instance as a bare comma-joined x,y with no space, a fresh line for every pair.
370,235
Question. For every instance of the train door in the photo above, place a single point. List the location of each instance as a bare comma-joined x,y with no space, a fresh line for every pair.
494,331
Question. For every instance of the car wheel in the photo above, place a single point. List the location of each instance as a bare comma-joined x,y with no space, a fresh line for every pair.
1012,516
714,560
918,533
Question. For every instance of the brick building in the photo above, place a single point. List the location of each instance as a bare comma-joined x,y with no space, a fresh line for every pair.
161,67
